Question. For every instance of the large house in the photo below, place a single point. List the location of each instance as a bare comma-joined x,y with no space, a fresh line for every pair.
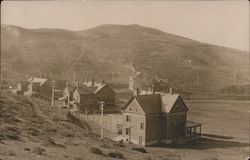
158,118
88,96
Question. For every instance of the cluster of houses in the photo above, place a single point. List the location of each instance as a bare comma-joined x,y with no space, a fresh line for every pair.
151,116
85,97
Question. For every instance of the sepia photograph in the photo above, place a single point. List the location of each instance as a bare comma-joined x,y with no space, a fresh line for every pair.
125,79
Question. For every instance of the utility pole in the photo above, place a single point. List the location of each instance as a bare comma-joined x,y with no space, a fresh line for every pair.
101,107
113,76
235,75
198,81
53,91
74,76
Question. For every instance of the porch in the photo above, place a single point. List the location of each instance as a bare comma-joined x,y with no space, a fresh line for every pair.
193,131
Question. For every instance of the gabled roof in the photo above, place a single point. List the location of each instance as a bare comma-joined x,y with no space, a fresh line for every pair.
90,89
156,103
71,88
150,103
37,80
168,101
83,90
60,84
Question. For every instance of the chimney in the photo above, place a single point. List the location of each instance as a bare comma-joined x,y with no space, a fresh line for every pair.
170,90
102,82
67,83
136,92
77,83
153,89
86,80
92,82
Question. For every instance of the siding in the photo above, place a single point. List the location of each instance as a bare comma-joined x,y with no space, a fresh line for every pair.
153,129
135,130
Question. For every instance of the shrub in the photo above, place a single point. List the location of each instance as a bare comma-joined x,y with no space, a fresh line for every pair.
95,150
119,144
78,158
11,153
116,155
38,150
142,150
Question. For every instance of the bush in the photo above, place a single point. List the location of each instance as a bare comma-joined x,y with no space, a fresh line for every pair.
119,144
95,150
11,153
38,150
142,150
78,158
116,155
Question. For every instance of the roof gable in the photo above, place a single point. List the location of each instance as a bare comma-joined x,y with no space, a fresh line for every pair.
134,107
172,103
41,81
179,106
83,90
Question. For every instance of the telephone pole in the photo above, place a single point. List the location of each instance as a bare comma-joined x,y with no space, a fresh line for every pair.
198,81
74,76
235,76
101,107
53,91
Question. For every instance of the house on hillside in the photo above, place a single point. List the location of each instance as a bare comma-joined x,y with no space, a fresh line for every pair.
43,87
67,94
58,85
34,86
22,86
89,96
158,118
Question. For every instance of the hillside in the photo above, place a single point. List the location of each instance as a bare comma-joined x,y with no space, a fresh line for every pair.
99,51
29,128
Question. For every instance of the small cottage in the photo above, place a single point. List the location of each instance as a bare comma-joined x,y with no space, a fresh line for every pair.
67,95
158,118
22,86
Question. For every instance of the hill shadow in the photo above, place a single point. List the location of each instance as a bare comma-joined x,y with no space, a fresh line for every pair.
216,136
204,144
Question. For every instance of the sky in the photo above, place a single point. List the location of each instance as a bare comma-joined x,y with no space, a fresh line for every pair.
224,23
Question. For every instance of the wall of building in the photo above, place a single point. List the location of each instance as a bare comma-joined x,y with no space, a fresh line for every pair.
176,125
107,95
153,129
136,134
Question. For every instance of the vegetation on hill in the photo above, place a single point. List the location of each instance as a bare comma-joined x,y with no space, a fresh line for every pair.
97,52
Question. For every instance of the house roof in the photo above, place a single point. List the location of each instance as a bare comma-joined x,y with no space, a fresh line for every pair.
150,103
83,90
60,84
71,88
155,103
190,124
168,101
37,80
100,88
90,89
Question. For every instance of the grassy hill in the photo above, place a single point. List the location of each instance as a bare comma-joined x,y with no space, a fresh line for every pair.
97,52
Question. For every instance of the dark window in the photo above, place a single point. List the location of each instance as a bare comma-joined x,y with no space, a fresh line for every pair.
128,118
127,131
142,125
